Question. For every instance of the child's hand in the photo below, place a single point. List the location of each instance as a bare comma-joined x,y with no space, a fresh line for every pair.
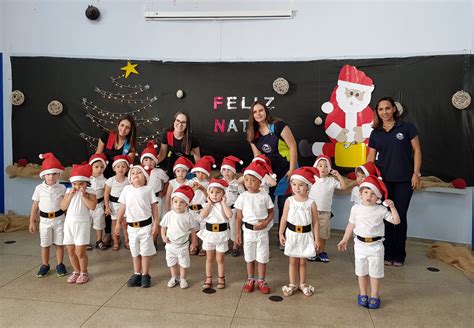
32,227
165,239
107,211
117,230
342,246
238,240
389,203
316,244
223,201
260,225
155,231
193,247
282,240
335,173
196,186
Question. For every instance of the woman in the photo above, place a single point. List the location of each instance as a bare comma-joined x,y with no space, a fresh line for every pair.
178,141
274,139
399,160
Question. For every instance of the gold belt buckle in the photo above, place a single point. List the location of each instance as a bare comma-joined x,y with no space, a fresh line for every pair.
194,207
298,228
369,240
215,227
136,224
51,215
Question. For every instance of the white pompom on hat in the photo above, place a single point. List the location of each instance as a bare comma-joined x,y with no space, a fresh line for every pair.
204,165
50,165
230,163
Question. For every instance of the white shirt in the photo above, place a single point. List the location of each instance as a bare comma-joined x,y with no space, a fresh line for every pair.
115,186
49,197
179,226
157,179
355,195
216,214
233,191
254,207
199,197
322,191
98,185
77,209
175,184
368,220
137,202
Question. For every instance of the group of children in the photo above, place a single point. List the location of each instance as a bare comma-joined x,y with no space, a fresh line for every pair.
209,212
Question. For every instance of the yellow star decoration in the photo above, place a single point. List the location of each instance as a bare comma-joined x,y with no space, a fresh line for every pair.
130,68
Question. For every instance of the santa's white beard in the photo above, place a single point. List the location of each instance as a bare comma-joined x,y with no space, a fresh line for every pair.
351,104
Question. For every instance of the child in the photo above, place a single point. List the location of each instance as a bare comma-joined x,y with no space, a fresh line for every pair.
176,226
215,236
366,221
113,190
97,180
228,170
47,199
255,210
322,192
269,180
300,220
78,201
139,205
180,169
363,172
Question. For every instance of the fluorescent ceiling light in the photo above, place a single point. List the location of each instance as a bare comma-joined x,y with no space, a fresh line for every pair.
218,15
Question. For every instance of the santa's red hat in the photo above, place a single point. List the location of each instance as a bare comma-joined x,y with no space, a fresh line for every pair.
150,151
145,169
204,165
258,169
230,163
376,185
184,192
219,183
98,158
50,165
122,158
305,174
263,158
370,168
351,78
80,172
325,158
183,163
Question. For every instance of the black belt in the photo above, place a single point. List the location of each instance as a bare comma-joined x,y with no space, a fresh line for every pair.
140,224
368,239
113,199
51,215
248,225
217,227
195,207
157,193
100,200
298,228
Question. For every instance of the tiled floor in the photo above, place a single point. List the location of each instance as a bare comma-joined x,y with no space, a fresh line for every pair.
411,295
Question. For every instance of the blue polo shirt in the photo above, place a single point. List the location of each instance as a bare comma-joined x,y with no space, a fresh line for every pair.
394,149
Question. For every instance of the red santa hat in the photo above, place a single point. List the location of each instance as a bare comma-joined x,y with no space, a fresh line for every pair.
325,158
183,163
230,163
121,158
184,192
50,164
263,158
376,185
219,183
98,158
204,165
305,174
258,169
145,169
351,78
370,168
150,151
80,172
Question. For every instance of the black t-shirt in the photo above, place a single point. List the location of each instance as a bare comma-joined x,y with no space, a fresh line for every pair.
110,154
176,150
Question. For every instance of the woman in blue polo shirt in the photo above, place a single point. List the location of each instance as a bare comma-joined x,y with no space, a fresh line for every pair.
394,145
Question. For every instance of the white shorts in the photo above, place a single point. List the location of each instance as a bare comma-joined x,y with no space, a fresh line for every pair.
369,258
114,207
178,254
98,217
77,232
218,247
51,231
141,241
256,246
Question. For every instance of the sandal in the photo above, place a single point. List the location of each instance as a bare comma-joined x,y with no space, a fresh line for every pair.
127,245
397,264
388,263
202,252
307,290
116,247
89,247
220,284
289,290
194,251
206,284
100,245
83,278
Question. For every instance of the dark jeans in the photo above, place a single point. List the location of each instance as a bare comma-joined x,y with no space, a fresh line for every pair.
396,235
280,202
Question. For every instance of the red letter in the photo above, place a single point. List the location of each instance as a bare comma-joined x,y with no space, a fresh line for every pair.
218,101
218,125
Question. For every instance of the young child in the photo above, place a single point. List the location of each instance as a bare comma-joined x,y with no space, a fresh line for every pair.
47,199
366,221
363,172
300,221
322,192
215,236
269,180
97,180
112,191
78,201
180,169
138,204
228,170
176,227
255,210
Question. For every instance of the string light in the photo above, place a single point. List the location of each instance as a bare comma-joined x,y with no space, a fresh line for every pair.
89,105
120,85
118,96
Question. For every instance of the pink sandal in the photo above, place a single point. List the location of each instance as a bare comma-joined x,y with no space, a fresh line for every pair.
73,278
82,279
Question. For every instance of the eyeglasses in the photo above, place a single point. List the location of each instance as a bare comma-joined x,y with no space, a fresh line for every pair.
180,122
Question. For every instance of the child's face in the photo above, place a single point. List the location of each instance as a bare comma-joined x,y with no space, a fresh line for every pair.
201,176
79,185
368,196
252,184
227,174
360,177
180,173
97,168
323,168
215,194
299,187
121,169
51,178
179,205
147,161
137,178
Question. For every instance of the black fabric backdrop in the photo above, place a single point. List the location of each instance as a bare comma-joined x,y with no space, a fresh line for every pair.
424,85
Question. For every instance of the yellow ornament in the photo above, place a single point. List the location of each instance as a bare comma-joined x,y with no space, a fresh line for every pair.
130,68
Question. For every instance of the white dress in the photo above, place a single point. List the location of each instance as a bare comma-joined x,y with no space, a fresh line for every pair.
299,244
215,216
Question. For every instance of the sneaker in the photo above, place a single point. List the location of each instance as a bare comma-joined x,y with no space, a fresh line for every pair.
82,279
313,258
89,247
363,300
323,257
172,282
146,280
374,303
61,270
43,271
263,287
135,280
73,277
183,283
248,286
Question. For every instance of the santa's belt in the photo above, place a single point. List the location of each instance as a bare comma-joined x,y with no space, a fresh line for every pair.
195,207
113,199
217,227
369,239
51,215
249,226
100,200
298,228
140,224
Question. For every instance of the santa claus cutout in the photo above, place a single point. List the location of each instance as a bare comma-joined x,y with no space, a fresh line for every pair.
349,119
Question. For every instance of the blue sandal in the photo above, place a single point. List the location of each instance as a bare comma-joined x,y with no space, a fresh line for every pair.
363,300
374,302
